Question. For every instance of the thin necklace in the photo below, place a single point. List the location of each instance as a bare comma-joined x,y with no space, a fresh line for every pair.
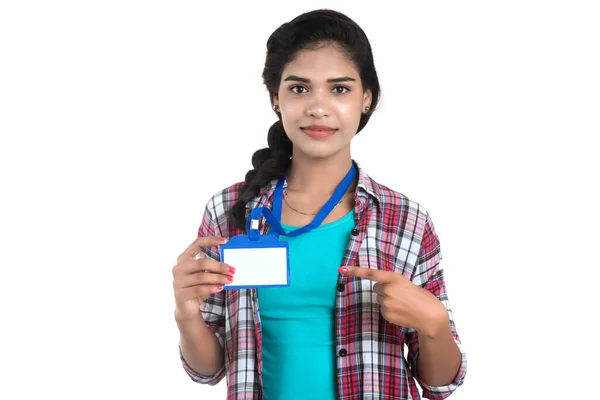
303,213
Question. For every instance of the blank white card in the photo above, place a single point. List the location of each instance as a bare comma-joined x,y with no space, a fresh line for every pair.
257,267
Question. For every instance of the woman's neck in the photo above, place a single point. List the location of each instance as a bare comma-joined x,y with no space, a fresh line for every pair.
318,176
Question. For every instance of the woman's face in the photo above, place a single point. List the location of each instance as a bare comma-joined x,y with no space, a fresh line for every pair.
321,100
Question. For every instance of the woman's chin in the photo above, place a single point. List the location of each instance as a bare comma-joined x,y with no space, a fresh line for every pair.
319,151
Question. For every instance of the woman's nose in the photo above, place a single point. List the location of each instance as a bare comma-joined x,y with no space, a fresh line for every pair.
318,108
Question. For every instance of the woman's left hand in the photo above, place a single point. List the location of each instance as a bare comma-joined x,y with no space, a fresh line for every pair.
402,302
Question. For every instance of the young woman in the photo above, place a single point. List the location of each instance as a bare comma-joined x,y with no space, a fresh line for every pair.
366,282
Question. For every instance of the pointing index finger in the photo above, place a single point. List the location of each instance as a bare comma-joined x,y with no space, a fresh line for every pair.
371,274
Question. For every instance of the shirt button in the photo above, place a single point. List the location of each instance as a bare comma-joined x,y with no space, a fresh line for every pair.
341,287
343,352
354,232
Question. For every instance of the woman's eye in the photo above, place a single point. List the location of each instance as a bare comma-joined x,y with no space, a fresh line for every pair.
302,89
297,89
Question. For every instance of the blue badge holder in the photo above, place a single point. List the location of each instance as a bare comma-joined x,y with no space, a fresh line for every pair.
246,266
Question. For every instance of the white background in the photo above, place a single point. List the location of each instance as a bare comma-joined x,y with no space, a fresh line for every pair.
119,119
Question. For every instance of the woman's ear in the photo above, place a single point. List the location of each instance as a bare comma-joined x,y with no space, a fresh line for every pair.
367,100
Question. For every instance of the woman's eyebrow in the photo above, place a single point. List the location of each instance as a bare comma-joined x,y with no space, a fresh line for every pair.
332,80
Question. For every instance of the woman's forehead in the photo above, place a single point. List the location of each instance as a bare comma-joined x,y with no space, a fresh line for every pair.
320,64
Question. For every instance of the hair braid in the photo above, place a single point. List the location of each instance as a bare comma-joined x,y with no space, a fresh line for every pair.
268,164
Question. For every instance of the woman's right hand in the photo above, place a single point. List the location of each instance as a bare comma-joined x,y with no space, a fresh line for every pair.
194,280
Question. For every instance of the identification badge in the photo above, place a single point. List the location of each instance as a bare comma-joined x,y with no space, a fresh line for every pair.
261,261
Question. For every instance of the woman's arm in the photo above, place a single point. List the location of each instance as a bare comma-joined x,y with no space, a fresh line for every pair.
439,357
200,347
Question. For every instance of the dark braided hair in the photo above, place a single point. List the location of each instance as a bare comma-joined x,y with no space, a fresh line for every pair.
308,31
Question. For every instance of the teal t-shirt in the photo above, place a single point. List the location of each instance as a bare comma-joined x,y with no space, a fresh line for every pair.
299,360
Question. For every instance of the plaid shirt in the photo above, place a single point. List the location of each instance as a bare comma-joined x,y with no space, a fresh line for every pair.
392,233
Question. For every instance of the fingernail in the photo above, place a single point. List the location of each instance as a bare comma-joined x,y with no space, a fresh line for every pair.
223,240
219,288
343,270
230,278
231,270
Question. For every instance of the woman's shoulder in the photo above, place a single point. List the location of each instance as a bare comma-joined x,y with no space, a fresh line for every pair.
224,198
392,200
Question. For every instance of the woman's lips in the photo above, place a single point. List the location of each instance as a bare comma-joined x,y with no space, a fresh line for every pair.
319,133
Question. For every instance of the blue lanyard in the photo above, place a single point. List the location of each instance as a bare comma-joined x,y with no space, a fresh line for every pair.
274,217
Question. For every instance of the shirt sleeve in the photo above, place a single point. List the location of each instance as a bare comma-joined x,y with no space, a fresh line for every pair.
213,309
429,275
